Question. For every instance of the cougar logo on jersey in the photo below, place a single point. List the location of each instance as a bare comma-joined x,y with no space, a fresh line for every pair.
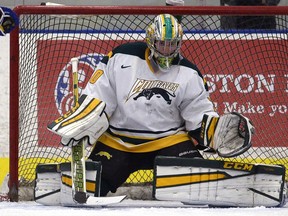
148,93
105,154
64,85
157,88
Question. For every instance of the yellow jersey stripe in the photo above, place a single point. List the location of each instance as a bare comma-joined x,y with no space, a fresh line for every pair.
153,145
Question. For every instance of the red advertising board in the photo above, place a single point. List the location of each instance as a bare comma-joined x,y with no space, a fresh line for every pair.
250,77
243,76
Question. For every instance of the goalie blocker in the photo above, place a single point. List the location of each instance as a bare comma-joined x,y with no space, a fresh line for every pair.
86,119
219,183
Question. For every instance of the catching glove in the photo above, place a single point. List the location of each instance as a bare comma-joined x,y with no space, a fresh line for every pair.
229,135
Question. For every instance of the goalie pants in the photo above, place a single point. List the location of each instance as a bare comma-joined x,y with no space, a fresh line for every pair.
118,165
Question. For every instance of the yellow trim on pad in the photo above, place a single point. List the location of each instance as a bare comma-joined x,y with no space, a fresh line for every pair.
90,186
188,179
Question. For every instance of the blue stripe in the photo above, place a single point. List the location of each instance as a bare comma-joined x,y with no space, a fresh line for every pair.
204,31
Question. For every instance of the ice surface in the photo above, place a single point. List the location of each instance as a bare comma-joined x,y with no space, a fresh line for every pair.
135,208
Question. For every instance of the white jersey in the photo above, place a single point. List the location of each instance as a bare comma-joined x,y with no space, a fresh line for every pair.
144,105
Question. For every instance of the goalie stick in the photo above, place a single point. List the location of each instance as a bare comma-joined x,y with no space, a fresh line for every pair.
78,162
78,157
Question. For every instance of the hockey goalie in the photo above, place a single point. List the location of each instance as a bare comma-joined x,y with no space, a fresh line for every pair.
147,106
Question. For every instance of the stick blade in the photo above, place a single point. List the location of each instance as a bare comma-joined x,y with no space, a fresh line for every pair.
104,201
96,202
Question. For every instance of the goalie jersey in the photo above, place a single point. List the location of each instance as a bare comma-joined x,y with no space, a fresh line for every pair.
143,105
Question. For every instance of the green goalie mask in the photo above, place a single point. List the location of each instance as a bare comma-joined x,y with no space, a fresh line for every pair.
164,38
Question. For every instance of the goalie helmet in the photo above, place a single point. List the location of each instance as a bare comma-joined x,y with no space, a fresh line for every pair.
164,37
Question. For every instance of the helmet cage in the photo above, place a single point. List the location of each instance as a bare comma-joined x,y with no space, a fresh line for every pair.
164,37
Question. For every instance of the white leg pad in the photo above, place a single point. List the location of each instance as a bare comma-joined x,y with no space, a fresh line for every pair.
48,184
219,183
93,173
54,183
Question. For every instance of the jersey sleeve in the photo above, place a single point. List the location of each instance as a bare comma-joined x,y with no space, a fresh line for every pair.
101,86
196,103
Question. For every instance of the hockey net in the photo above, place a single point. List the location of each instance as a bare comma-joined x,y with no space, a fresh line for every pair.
246,70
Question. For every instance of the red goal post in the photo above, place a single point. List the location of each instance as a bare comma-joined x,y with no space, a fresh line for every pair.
246,70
